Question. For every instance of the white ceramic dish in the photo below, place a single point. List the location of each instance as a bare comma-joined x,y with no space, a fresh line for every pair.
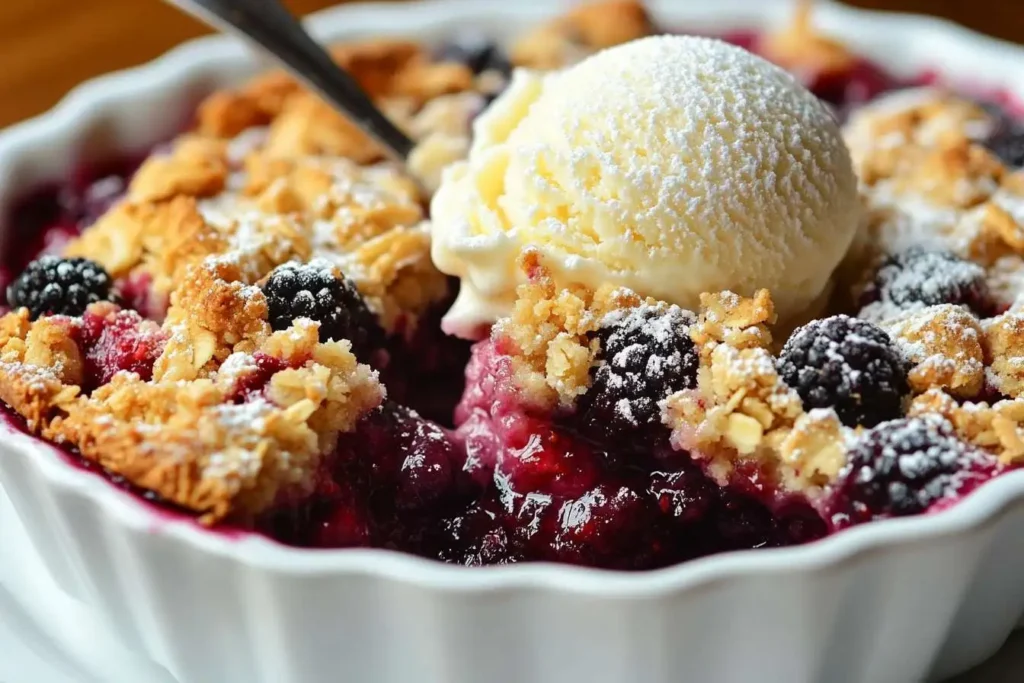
893,601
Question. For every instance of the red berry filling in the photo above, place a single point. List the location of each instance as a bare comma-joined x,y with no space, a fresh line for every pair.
119,342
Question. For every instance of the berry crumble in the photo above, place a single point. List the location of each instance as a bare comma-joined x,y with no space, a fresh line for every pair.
246,328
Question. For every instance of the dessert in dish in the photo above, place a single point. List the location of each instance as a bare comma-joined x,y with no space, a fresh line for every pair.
699,321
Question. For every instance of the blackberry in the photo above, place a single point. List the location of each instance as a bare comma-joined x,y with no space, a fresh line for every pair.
646,355
847,364
918,278
1008,145
58,286
477,53
904,466
314,291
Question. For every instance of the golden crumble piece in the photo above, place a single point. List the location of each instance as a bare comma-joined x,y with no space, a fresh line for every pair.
896,131
368,220
196,167
390,70
14,326
585,29
213,313
996,428
49,344
308,126
332,381
425,81
727,318
162,239
226,113
40,367
115,240
944,345
443,130
960,175
1004,343
997,234
303,179
813,452
999,231
950,192
741,410
396,276
374,62
177,238
800,48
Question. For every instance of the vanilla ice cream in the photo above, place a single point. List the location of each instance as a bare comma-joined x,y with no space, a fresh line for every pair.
671,165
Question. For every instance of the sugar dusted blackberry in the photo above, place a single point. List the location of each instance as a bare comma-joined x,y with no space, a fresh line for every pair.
646,355
316,292
56,286
917,278
847,364
905,466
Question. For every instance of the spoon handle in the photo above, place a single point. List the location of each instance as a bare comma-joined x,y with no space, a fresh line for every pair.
268,24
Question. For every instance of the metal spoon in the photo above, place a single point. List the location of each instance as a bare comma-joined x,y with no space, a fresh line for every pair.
270,26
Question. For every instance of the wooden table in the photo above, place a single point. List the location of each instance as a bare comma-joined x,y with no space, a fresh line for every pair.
47,46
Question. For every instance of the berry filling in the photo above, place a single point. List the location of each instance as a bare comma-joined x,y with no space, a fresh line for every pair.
118,341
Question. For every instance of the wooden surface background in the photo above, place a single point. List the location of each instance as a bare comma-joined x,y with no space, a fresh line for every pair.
47,46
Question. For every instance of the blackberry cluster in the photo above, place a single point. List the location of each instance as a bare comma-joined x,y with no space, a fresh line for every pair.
56,286
918,278
313,291
847,364
904,466
645,356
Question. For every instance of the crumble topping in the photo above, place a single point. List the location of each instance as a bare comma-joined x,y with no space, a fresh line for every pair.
550,333
944,346
802,50
727,318
928,181
1004,345
192,444
996,427
40,366
581,31
742,410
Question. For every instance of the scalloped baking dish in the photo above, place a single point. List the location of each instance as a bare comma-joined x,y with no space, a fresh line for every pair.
903,600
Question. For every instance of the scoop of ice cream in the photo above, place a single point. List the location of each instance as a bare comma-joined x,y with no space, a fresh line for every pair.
671,165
